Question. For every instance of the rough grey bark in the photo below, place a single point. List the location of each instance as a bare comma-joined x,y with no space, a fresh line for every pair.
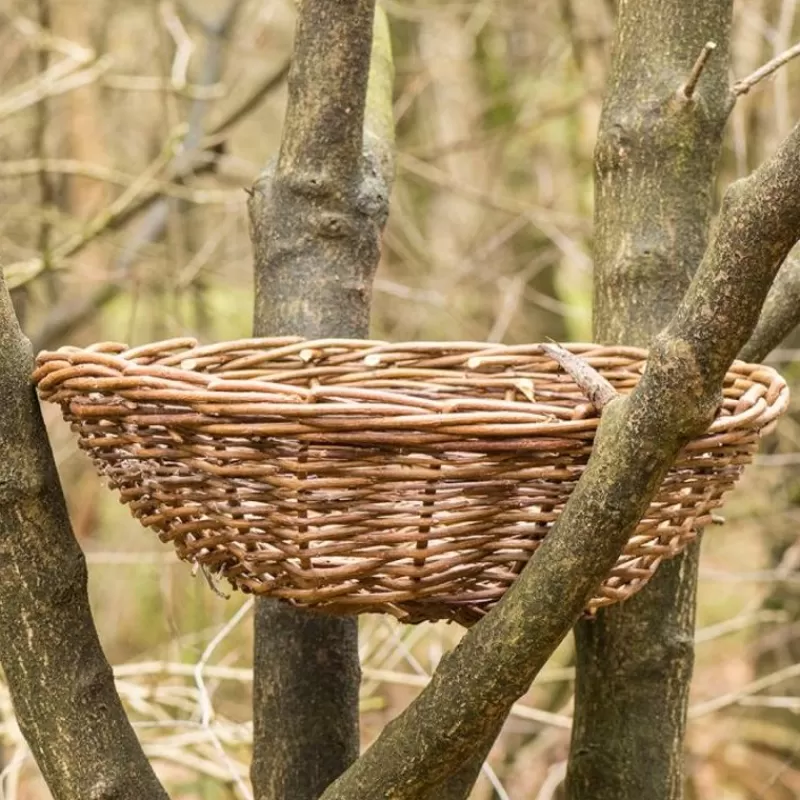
654,174
316,220
61,684
638,438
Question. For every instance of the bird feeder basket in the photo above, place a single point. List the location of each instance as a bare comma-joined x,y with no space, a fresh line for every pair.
359,476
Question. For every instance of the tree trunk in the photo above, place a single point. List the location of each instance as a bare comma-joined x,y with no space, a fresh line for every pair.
61,684
654,170
316,221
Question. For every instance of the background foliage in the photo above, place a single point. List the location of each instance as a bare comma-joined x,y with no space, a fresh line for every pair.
128,133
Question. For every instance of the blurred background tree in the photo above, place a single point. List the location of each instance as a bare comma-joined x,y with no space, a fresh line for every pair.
128,132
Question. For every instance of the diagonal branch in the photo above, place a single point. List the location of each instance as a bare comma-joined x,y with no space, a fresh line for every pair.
637,441
781,314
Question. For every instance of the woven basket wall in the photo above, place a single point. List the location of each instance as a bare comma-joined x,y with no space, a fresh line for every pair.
354,476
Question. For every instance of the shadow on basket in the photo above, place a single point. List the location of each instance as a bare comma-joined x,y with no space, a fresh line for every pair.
355,476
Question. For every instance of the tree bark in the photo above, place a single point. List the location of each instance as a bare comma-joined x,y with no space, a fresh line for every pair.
61,684
316,220
655,161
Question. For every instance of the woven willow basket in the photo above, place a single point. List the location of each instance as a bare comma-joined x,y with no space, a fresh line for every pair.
356,476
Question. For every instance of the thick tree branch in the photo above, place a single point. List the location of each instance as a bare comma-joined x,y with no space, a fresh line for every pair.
757,227
781,314
327,84
316,220
61,684
638,439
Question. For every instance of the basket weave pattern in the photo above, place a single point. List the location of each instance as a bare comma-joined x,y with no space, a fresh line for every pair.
357,476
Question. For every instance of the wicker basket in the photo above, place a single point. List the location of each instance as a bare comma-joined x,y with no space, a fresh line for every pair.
356,476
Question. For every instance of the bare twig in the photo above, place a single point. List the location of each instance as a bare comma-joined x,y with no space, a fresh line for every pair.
63,77
184,46
40,38
556,775
598,390
21,272
732,698
67,316
688,88
744,85
157,83
206,709
270,82
98,172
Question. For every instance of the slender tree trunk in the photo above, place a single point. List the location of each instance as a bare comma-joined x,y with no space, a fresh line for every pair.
60,682
654,169
316,222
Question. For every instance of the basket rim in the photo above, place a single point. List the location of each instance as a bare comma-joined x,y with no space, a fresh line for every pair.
174,370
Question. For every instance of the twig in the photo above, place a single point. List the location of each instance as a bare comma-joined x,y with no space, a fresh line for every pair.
41,38
266,87
185,163
9,777
47,190
732,698
69,76
556,775
184,46
98,172
206,709
599,391
688,88
24,271
157,83
746,84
